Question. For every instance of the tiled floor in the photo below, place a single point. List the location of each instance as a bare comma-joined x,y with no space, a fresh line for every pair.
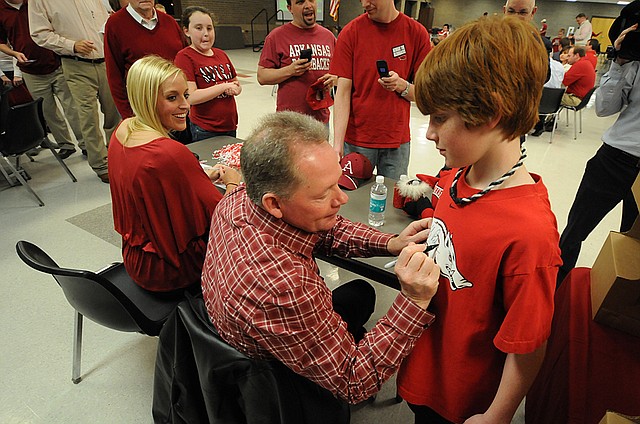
35,352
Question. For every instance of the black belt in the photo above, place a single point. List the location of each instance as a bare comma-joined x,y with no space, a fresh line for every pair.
82,59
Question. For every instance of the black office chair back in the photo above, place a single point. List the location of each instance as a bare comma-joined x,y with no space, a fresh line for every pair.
109,298
199,378
585,100
550,101
23,128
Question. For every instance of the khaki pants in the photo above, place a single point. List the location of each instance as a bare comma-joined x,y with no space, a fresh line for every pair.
88,82
570,100
50,85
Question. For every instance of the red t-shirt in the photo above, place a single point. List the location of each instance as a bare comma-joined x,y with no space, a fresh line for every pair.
499,257
126,41
14,28
219,114
580,78
162,206
379,118
281,47
592,58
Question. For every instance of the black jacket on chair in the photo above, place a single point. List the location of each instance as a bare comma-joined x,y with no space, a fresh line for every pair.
199,378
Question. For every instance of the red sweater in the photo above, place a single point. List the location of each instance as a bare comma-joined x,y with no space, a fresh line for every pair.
580,78
126,41
162,206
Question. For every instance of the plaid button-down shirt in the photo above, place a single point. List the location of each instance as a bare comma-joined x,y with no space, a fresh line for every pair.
265,296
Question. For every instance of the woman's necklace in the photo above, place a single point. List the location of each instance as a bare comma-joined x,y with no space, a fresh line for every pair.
453,191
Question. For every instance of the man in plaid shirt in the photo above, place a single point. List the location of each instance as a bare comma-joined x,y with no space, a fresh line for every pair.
262,286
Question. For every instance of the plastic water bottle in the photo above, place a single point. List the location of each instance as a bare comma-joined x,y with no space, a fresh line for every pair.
378,202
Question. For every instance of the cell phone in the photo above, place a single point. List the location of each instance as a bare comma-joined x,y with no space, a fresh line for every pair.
383,69
306,54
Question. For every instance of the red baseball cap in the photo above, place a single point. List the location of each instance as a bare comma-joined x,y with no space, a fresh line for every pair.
318,96
356,169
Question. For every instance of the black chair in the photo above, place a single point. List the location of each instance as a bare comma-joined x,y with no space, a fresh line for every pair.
199,378
108,297
578,109
21,131
551,105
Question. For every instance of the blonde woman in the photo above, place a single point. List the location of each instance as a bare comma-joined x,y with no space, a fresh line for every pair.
162,198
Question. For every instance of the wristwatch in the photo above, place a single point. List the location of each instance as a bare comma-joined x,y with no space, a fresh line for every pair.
406,90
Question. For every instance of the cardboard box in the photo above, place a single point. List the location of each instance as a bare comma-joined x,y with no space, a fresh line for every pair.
615,418
615,279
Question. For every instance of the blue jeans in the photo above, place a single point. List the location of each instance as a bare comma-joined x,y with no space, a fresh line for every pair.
389,162
607,180
198,133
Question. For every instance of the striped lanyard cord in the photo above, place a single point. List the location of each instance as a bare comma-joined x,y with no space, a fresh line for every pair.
453,191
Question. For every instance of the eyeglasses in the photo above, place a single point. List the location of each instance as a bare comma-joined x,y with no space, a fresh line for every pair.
523,12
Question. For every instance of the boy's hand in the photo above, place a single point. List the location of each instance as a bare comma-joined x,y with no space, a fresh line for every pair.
416,232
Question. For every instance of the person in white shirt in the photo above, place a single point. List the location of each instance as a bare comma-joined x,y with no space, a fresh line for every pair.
556,76
74,33
583,34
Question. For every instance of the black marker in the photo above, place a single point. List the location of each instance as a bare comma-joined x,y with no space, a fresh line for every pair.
393,262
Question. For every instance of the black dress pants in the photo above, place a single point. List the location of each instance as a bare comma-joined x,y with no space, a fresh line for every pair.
354,302
607,180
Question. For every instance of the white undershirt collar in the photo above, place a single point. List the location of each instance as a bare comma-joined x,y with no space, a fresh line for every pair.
148,24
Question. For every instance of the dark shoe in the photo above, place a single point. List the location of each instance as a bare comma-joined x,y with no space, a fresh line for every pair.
538,132
33,152
84,152
104,178
48,143
65,153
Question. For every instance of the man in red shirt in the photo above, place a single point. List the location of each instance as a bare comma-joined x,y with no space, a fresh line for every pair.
134,32
543,28
579,79
592,51
280,64
42,74
262,286
371,112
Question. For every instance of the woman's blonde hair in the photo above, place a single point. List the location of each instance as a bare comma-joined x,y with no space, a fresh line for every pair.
490,67
144,79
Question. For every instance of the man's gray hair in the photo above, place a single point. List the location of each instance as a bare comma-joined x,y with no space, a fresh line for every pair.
268,156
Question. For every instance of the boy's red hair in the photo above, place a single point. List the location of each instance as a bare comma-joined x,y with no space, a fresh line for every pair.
489,67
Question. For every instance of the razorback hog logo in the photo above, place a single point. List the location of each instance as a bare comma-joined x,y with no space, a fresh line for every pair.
445,255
